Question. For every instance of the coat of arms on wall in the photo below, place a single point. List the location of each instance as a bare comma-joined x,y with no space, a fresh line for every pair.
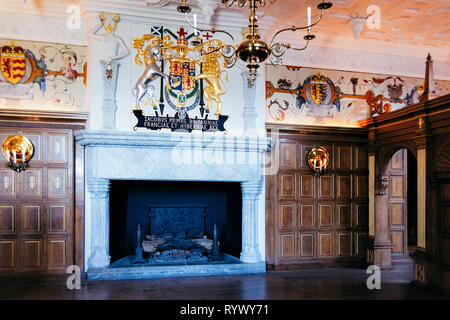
194,77
303,95
13,63
42,74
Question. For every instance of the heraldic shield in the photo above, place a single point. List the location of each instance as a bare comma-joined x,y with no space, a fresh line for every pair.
13,63
181,74
318,88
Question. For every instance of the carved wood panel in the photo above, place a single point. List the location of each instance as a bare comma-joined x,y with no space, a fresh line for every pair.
345,244
7,254
288,245
306,186
325,244
31,218
287,185
36,206
31,253
344,157
287,215
306,215
57,253
307,245
325,215
7,219
326,187
7,183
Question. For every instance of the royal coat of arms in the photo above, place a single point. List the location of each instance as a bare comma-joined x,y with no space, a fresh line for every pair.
194,76
13,63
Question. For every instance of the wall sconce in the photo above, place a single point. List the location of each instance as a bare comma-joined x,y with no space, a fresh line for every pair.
318,159
17,150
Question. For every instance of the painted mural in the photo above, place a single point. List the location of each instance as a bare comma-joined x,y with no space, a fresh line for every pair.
46,76
299,95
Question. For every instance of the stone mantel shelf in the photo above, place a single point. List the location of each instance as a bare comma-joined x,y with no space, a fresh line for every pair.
167,140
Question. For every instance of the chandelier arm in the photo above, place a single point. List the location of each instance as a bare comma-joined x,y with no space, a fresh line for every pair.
231,65
209,30
300,49
294,28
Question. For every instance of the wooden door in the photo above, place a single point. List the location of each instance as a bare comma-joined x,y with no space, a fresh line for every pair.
397,170
36,206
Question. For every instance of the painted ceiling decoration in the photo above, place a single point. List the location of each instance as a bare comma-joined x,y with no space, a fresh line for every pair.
398,19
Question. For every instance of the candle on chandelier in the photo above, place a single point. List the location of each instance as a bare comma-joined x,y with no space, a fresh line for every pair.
7,154
309,17
14,156
195,25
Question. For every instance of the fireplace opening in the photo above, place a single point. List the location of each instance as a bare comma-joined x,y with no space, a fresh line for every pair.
177,221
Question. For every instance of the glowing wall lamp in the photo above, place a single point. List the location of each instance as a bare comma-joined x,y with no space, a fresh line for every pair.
318,159
17,150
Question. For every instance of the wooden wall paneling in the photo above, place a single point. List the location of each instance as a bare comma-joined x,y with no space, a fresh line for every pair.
287,185
288,153
326,186
287,243
288,213
8,253
326,215
307,245
7,219
37,205
344,187
423,128
320,220
306,214
326,245
32,254
344,244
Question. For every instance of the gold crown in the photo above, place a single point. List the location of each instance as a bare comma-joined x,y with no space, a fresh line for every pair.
319,77
12,50
182,41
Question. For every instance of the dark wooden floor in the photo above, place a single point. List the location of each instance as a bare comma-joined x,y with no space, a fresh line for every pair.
274,285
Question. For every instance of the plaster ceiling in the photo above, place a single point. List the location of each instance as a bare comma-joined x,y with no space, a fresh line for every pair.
418,22
423,24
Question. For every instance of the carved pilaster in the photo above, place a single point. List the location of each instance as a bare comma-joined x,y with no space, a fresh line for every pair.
249,111
382,184
109,106
99,195
251,191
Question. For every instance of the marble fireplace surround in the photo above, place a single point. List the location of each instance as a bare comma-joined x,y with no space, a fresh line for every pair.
164,156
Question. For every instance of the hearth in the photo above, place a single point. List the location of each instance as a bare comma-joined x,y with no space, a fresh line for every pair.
152,222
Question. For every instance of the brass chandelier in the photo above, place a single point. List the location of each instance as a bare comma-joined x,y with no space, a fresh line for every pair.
252,50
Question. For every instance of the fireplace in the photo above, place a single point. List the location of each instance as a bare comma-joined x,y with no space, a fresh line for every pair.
176,216
145,159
